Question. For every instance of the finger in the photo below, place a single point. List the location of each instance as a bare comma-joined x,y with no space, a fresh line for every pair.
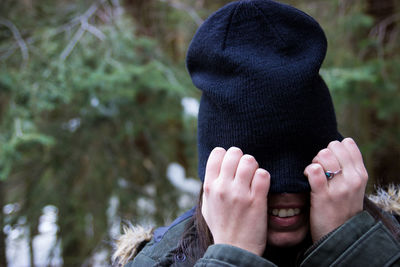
230,163
327,160
245,171
260,183
316,177
341,153
213,166
355,154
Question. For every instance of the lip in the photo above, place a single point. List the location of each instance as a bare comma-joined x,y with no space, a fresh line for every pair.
286,206
287,223
287,201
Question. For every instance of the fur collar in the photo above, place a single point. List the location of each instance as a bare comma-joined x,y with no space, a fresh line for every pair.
388,200
134,237
129,243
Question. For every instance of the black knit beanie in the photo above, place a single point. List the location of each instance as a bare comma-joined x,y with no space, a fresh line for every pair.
257,63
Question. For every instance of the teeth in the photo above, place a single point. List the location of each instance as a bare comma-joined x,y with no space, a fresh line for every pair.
290,212
283,213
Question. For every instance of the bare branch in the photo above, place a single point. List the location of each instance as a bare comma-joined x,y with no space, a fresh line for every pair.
78,35
81,19
380,32
380,29
21,43
192,13
93,30
66,27
84,27
92,9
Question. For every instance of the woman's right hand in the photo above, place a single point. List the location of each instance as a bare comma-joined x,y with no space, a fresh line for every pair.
235,200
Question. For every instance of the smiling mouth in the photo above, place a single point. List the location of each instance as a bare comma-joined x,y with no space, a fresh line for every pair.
284,213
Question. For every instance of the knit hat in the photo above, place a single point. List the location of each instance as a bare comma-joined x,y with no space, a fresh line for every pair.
257,64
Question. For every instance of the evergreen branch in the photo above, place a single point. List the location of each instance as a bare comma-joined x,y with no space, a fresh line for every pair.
78,35
168,73
20,41
192,13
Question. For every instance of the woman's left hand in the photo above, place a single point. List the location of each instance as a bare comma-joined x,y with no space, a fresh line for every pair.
335,201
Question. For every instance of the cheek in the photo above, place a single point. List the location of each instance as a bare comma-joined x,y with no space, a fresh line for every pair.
287,239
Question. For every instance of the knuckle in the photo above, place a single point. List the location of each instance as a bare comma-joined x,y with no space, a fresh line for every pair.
217,151
365,175
243,172
255,198
324,152
263,173
315,169
221,193
356,179
362,173
342,192
207,188
349,140
358,183
239,198
235,198
249,161
235,150
333,144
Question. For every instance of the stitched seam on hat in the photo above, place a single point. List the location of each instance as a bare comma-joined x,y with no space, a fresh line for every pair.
229,26
270,22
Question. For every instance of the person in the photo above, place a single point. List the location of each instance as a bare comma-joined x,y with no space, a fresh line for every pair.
281,186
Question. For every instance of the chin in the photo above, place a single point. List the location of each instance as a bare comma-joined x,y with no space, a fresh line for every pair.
287,239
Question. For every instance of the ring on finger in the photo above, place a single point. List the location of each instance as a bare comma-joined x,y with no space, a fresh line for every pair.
329,174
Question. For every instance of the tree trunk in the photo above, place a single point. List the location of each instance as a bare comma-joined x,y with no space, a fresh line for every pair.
385,167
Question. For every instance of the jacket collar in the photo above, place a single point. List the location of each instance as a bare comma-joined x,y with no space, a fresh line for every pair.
129,244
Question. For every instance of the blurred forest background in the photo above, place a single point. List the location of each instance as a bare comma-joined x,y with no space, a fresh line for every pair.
98,114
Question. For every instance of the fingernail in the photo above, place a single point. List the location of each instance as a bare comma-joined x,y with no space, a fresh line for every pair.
216,149
234,149
262,172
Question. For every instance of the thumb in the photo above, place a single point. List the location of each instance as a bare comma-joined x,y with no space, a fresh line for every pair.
316,177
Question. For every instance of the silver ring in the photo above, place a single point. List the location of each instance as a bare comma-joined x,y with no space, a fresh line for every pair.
329,175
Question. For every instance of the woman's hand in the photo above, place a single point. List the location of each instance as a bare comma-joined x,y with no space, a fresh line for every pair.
235,200
335,201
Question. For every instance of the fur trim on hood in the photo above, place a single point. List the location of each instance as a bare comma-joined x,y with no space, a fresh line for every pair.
130,243
135,237
388,200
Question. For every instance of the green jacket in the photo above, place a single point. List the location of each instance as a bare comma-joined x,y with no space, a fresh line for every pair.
361,241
